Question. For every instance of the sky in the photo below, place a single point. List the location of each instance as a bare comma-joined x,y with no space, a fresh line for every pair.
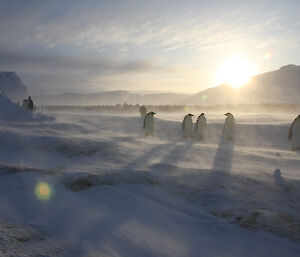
146,46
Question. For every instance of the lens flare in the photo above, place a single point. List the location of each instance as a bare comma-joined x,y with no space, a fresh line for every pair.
267,55
204,97
43,191
186,108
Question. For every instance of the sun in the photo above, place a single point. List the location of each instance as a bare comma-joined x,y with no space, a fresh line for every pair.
236,72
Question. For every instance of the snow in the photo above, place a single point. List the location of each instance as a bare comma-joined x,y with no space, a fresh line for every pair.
116,193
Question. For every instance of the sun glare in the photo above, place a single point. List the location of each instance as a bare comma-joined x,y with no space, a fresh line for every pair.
236,72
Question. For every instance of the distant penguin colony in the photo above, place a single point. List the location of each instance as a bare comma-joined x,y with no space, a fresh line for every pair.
143,111
200,127
294,134
228,129
187,125
149,124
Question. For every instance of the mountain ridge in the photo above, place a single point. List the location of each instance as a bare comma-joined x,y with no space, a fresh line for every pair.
281,86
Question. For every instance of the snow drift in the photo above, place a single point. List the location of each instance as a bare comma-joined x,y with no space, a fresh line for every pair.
9,111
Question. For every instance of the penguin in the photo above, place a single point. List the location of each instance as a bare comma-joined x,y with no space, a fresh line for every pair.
228,129
187,125
143,111
294,134
200,127
149,123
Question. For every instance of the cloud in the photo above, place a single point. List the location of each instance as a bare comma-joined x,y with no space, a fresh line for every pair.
72,64
162,26
98,25
54,71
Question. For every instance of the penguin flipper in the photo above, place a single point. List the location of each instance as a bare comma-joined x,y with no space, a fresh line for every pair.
144,124
291,131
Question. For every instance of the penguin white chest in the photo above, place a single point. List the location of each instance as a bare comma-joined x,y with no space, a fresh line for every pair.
149,125
187,126
228,131
200,127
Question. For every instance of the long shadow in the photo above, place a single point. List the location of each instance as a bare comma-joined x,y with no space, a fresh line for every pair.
180,151
144,159
218,179
283,189
224,156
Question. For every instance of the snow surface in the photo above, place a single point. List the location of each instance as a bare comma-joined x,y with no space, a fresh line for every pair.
118,193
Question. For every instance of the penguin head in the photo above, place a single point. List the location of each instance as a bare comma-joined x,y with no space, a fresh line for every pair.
228,114
190,114
152,113
202,114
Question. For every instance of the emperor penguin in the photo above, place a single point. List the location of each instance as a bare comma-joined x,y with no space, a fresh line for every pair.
143,111
187,125
200,127
228,129
149,123
294,134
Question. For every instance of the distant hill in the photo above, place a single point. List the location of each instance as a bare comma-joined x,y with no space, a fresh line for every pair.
279,86
216,95
12,86
282,85
110,98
